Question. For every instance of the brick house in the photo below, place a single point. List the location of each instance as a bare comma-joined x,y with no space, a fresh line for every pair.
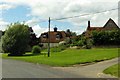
110,25
55,38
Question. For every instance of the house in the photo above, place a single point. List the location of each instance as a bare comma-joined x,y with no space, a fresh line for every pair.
110,25
55,38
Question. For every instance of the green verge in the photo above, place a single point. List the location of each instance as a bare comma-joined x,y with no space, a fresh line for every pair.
113,70
69,56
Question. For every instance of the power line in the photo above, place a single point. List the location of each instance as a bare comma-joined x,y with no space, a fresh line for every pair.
56,19
85,14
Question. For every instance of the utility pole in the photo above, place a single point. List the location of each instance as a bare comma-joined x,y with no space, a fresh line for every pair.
49,38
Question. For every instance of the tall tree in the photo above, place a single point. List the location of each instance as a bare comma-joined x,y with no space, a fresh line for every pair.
16,39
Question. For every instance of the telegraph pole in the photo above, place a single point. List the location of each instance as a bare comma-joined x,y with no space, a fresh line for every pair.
49,38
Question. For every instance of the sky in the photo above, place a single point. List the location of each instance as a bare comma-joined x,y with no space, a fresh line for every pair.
36,13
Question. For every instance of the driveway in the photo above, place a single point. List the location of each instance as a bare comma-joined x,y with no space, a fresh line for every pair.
91,71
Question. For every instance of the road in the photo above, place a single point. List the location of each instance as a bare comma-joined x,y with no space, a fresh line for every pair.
19,69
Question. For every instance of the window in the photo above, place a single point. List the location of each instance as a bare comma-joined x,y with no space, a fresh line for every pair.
45,35
57,37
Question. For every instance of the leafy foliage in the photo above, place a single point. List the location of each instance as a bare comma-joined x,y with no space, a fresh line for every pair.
83,42
15,39
33,39
106,37
59,48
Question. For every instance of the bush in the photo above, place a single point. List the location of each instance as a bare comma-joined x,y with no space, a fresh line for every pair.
36,50
58,48
80,43
88,46
55,49
89,43
16,39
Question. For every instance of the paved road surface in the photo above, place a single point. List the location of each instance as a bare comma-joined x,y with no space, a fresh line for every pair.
91,71
19,69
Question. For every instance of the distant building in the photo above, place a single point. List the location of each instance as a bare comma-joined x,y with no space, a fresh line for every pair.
55,38
110,25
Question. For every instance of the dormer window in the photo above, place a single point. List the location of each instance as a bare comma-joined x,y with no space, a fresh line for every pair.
45,35
57,37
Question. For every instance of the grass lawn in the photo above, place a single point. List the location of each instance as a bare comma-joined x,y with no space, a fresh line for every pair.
70,56
113,70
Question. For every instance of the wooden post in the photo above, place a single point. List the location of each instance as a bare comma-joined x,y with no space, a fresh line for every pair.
49,38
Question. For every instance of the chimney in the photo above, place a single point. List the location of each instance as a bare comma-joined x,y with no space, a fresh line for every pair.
88,24
55,29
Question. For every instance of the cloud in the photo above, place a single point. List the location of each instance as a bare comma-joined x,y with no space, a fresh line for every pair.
32,22
6,6
67,8
38,30
3,25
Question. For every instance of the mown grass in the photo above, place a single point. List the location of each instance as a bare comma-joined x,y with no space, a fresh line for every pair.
113,70
70,56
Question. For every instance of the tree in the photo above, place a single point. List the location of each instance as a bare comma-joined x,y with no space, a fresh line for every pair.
16,39
33,39
70,33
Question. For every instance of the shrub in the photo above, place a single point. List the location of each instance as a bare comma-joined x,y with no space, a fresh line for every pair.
36,50
80,43
106,37
58,48
55,49
87,44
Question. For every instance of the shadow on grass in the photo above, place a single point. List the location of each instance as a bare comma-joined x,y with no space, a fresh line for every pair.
28,54
20,55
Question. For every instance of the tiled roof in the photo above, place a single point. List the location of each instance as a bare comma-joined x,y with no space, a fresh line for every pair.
110,25
95,28
55,37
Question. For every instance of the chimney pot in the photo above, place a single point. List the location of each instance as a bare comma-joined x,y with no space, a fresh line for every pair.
55,29
88,24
